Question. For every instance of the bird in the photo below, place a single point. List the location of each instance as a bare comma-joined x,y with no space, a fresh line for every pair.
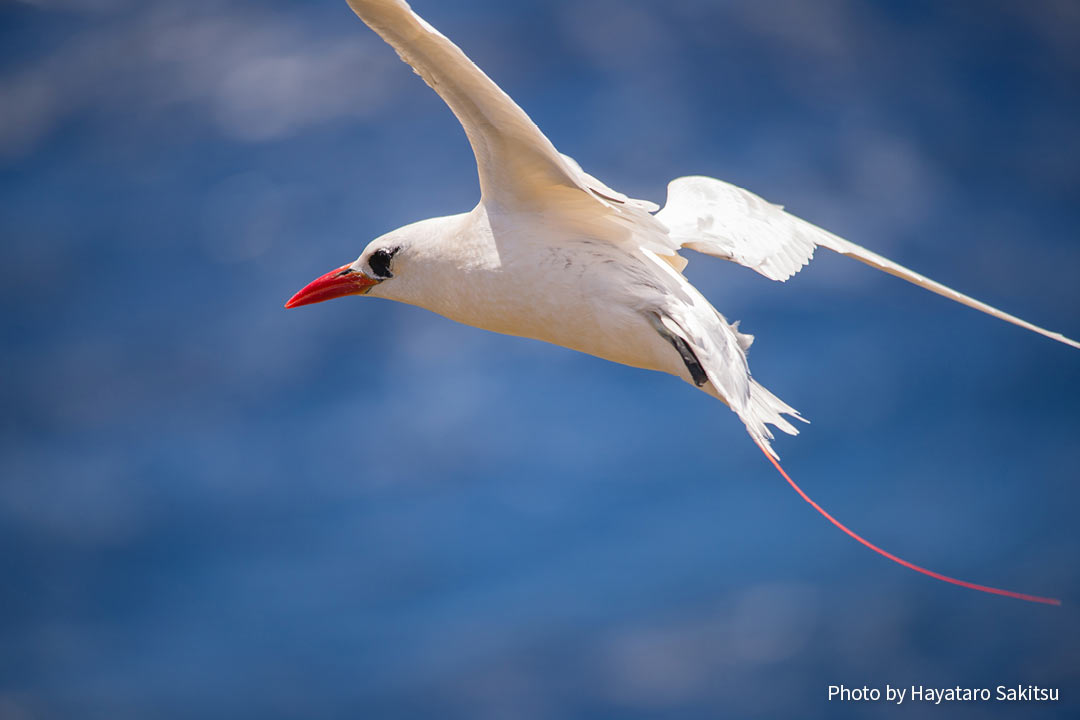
552,253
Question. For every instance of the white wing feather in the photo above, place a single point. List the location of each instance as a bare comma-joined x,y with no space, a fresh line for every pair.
720,219
519,168
512,155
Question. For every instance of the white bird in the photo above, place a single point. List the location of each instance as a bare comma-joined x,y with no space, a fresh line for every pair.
552,253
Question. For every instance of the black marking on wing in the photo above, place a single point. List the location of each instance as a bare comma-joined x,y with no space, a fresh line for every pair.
692,363
697,372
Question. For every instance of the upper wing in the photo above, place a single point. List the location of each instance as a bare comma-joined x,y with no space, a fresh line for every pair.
515,161
519,167
718,218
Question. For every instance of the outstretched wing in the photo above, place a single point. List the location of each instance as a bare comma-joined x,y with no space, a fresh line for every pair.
519,168
720,219
516,162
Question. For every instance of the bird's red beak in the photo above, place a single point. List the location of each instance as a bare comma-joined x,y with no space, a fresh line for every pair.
334,284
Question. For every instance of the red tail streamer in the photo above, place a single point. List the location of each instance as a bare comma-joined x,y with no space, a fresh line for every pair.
901,561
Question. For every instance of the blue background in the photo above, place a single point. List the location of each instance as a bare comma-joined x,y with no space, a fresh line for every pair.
214,508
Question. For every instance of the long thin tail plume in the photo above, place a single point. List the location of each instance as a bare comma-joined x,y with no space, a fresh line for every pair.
901,561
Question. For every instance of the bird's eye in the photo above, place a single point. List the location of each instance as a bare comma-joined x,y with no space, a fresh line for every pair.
380,263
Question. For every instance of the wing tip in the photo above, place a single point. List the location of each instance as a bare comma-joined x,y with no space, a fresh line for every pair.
1067,340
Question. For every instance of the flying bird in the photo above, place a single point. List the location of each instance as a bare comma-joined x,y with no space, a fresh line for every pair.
554,254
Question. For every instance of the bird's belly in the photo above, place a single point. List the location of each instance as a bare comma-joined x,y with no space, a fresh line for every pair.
580,315
625,338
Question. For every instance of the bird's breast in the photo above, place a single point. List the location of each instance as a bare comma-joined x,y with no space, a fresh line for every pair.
587,296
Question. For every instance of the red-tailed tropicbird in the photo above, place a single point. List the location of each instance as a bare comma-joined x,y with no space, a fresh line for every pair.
552,253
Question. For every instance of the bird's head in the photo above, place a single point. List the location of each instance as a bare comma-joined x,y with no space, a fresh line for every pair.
374,266
415,264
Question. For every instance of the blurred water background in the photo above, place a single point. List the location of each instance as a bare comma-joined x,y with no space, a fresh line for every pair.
214,508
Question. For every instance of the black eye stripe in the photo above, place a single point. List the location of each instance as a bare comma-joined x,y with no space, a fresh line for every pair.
380,261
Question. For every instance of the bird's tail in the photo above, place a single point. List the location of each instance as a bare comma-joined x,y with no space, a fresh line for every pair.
766,409
910,565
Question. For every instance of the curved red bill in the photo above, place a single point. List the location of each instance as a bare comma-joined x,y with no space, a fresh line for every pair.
334,284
